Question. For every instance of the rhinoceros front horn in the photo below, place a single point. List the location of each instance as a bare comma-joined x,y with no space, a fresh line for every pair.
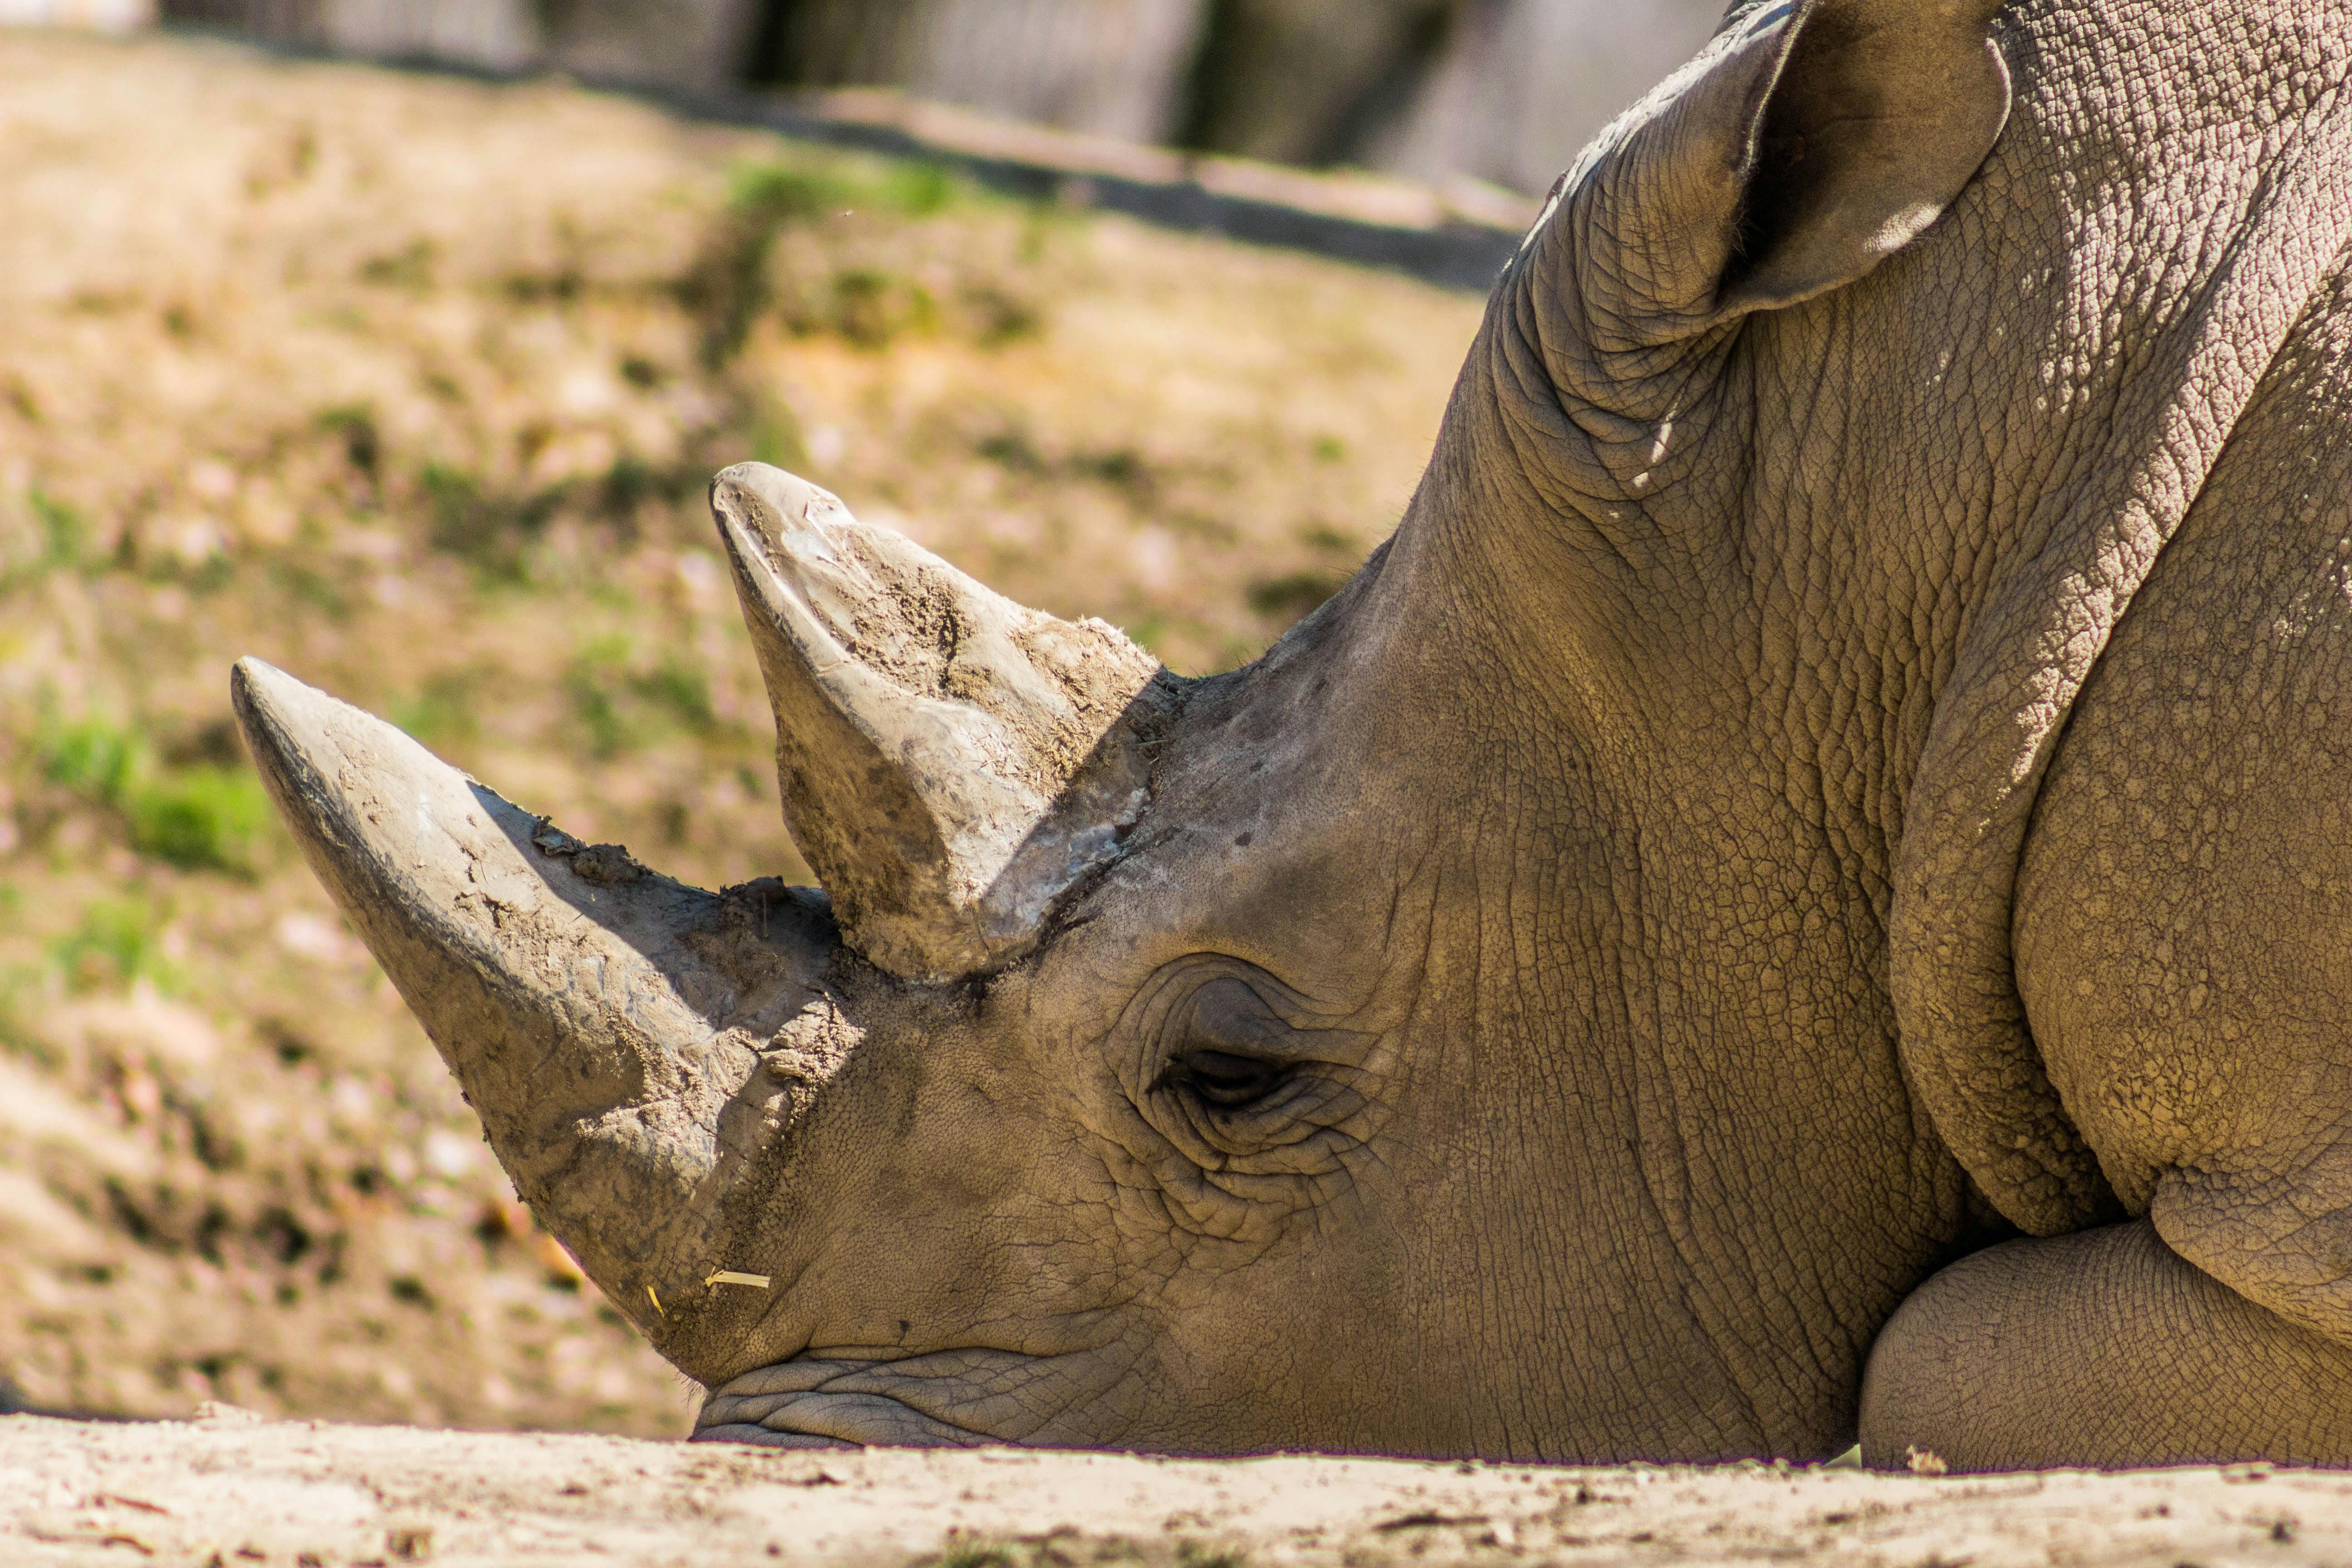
952,764
620,1034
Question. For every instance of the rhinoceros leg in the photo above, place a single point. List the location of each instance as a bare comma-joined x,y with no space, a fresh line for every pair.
2095,1348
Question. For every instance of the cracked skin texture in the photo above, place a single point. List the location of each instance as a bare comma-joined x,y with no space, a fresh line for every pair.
1793,898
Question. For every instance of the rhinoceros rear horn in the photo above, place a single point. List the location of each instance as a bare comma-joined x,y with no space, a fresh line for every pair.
953,765
1804,146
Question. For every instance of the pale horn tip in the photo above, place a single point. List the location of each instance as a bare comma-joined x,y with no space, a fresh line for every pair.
286,726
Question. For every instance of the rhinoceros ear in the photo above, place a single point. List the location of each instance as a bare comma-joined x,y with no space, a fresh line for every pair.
952,764
1806,145
1880,114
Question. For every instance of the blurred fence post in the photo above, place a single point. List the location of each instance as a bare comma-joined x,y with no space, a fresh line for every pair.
1116,68
1313,81
697,44
1504,90
1112,67
499,34
1525,84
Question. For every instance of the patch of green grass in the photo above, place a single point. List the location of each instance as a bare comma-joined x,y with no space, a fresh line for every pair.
629,481
202,817
621,708
309,587
594,683
728,287
1148,632
872,307
491,532
781,193
117,942
410,266
442,709
1122,467
632,480
92,758
65,537
363,441
1041,224
918,189
17,394
560,285
216,571
1206,1555
794,192
18,1037
773,432
962,1550
1012,448
1001,317
681,692
454,497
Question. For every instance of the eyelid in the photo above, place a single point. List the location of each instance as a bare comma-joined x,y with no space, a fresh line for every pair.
1229,1014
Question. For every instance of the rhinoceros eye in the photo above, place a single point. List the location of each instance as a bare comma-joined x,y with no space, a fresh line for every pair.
1229,1081
1229,1053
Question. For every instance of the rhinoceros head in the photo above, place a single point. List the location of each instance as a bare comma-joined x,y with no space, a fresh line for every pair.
1201,1064
1029,1111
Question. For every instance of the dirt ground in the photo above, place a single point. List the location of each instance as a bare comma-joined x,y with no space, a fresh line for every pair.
225,1493
411,386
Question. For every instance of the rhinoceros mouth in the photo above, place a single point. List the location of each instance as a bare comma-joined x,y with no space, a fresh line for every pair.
943,1399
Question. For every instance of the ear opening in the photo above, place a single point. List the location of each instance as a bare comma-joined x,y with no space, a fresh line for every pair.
1880,115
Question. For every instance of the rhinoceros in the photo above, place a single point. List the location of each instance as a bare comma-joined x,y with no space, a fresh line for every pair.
1803,895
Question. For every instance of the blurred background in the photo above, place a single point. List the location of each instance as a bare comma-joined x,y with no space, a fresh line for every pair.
1499,90
409,382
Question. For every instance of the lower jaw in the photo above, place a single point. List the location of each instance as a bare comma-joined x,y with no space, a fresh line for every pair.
952,1398
803,1404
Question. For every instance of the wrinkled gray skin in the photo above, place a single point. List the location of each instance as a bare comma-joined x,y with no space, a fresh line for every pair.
1804,891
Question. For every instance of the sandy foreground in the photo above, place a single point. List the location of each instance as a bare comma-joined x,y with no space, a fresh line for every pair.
236,1490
